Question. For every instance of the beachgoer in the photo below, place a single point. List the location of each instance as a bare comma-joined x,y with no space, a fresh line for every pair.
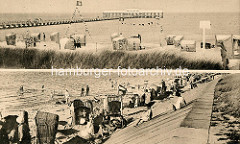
147,116
191,81
44,36
67,96
21,91
82,92
147,96
51,95
43,89
23,130
163,88
140,38
85,129
176,88
137,101
87,90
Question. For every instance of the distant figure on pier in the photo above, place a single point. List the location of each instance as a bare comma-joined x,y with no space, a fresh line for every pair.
87,90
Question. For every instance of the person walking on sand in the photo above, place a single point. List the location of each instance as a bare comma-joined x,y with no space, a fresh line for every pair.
21,91
82,92
87,90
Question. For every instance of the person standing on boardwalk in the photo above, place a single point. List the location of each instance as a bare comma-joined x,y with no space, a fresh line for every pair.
164,88
191,80
147,96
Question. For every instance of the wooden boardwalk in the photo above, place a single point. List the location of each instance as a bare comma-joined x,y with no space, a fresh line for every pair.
169,128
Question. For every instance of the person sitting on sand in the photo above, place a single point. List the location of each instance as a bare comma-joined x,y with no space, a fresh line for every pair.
147,116
85,129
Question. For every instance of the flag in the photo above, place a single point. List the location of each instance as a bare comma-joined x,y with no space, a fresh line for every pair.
79,3
122,89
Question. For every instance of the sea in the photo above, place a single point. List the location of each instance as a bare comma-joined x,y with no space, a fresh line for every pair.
186,24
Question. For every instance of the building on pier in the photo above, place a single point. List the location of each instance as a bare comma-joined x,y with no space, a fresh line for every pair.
134,13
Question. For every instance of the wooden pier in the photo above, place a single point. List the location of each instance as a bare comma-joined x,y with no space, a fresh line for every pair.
24,24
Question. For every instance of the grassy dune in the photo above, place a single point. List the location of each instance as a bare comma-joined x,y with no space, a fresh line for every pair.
227,93
42,59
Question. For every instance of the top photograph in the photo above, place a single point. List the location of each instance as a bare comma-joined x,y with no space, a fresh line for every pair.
130,34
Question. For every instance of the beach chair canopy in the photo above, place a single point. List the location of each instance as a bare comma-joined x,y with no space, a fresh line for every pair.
67,43
36,37
170,39
226,43
178,39
120,43
188,45
82,109
114,35
79,38
236,37
55,37
11,39
133,44
47,124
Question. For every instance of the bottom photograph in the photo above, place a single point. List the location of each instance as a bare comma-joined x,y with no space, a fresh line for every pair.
43,108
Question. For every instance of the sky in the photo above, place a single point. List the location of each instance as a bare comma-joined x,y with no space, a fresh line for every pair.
67,6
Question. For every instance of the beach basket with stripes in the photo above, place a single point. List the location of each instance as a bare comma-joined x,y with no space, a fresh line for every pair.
47,124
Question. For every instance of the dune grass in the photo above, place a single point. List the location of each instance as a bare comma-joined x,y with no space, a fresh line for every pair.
227,95
45,59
